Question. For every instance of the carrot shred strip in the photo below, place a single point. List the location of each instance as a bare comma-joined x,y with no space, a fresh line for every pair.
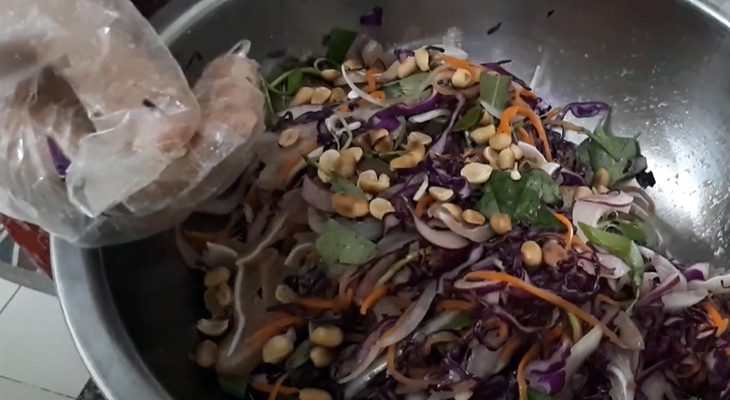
546,296
422,205
525,137
509,349
602,298
521,379
274,328
373,298
513,111
392,371
267,388
277,386
318,304
378,94
285,174
717,319
450,304
568,226
370,78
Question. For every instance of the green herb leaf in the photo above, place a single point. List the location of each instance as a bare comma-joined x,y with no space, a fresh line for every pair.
294,82
494,90
270,113
300,356
621,247
620,156
462,320
236,387
523,200
338,43
340,185
533,394
406,87
470,119
338,244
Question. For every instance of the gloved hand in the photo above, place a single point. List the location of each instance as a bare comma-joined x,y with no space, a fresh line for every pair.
101,139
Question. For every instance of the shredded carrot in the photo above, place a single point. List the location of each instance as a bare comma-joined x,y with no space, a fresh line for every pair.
521,380
277,387
727,351
525,137
456,63
373,298
392,371
520,92
422,205
495,322
370,77
513,111
266,388
720,323
378,94
274,328
692,371
318,304
568,227
344,108
509,349
544,295
450,304
287,172
345,299
602,298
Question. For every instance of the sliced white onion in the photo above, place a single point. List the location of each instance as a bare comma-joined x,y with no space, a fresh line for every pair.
581,350
445,239
718,285
482,361
408,322
614,267
679,300
477,234
536,159
589,210
429,115
621,375
358,91
216,255
421,189
629,332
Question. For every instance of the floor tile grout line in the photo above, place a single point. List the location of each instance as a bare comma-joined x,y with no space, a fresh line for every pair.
12,296
35,386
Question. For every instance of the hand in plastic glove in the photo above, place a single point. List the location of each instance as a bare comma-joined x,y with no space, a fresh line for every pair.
101,139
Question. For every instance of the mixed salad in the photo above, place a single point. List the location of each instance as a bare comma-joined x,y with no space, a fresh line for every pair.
417,225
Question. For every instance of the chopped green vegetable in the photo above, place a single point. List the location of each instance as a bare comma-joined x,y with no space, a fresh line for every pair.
620,156
236,387
524,200
338,43
339,245
533,394
494,90
294,82
340,185
406,87
470,119
461,321
300,356
397,266
270,117
621,247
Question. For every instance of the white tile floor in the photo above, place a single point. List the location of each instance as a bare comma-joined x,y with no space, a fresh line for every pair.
38,360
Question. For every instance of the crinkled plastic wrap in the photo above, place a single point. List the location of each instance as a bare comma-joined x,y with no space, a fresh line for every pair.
101,139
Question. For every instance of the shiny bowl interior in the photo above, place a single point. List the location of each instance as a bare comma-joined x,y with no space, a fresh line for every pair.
662,64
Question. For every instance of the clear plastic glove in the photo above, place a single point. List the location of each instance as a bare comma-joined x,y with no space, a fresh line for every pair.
101,139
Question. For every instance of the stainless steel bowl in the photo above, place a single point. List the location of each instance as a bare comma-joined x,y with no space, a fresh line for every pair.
663,64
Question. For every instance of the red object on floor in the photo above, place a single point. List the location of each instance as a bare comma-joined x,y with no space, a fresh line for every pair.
32,239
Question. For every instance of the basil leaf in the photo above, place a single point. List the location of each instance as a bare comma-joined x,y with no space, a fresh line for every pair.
533,394
469,120
620,156
340,185
621,247
338,43
462,320
236,387
406,86
300,356
338,244
524,200
494,90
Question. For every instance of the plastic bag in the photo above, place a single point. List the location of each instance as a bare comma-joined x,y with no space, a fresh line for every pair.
101,139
